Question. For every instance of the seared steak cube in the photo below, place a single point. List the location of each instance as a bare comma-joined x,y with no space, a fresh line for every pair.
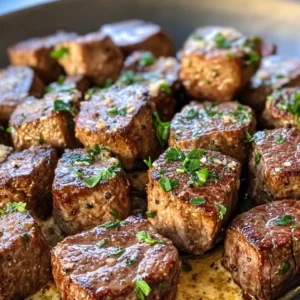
262,250
117,260
136,35
47,121
24,257
217,62
282,109
274,165
221,127
27,176
17,83
159,75
120,119
93,55
192,194
89,188
69,84
39,54
275,72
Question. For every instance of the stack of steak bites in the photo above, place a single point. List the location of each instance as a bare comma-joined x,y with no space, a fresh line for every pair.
86,115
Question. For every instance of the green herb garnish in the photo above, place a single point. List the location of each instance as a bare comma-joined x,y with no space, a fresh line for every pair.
59,53
162,129
111,224
16,207
221,41
257,158
248,137
284,268
222,210
174,154
102,243
147,59
130,77
60,105
191,114
151,214
130,262
25,237
164,87
117,112
197,201
146,237
142,289
168,184
117,251
114,213
148,162
283,220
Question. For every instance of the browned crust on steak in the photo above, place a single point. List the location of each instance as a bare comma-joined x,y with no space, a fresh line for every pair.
138,35
215,72
35,122
24,257
220,127
27,176
193,228
36,53
256,250
93,55
276,113
276,175
17,83
132,136
83,270
275,72
77,206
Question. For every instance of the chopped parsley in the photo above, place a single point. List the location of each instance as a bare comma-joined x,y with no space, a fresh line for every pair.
197,201
148,162
117,251
22,117
102,243
197,37
61,79
284,268
248,137
151,214
117,112
251,58
229,55
283,220
146,237
200,177
222,210
270,98
168,184
174,154
164,87
191,114
111,224
103,175
147,59
25,238
293,108
130,262
162,129
16,207
221,41
40,141
280,139
79,174
60,105
114,213
8,129
130,77
257,158
89,206
142,289
59,53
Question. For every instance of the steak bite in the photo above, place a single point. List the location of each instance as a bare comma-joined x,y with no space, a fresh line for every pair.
69,84
38,53
275,72
17,83
47,121
120,119
89,188
274,165
262,251
221,127
24,256
192,196
158,75
217,62
138,35
283,109
117,260
27,176
93,55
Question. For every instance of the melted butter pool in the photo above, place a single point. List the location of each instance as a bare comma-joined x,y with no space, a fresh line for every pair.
204,278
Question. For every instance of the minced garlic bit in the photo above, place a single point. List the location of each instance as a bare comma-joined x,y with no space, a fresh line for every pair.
287,164
154,87
4,152
100,124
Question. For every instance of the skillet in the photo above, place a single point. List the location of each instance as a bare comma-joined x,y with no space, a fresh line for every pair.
275,20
